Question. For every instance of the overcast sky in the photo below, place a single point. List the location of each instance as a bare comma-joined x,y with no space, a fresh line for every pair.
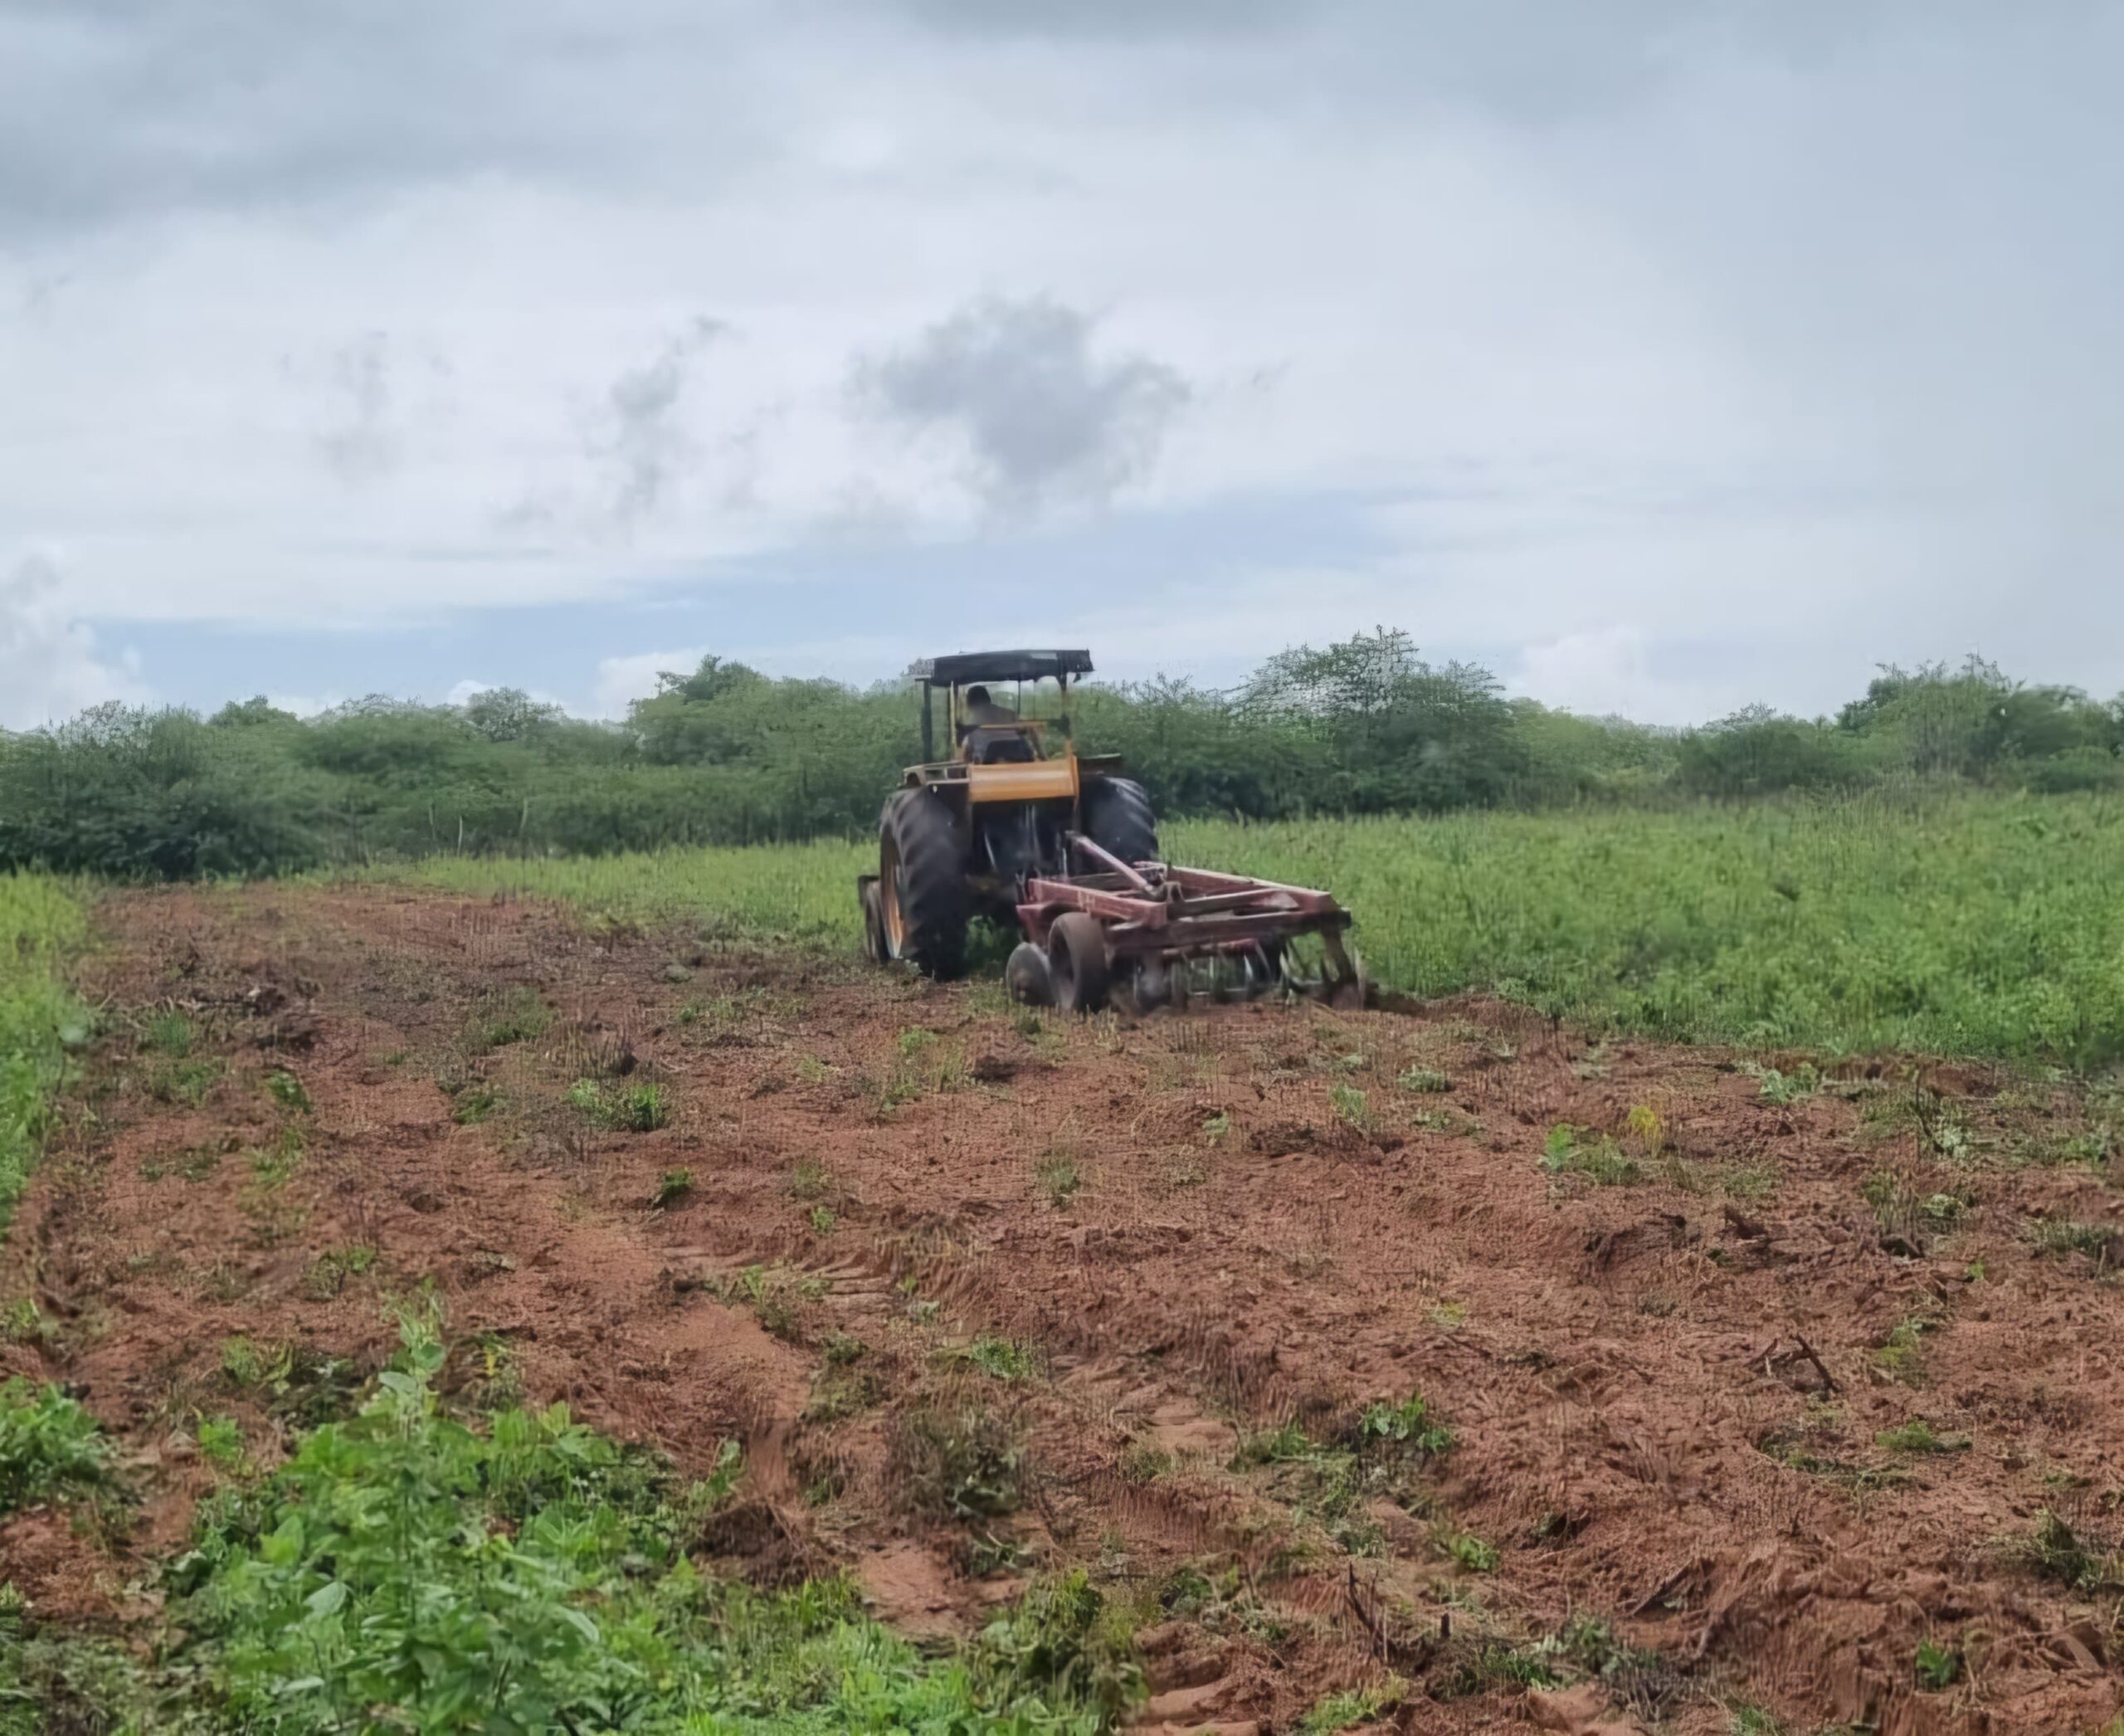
1661,354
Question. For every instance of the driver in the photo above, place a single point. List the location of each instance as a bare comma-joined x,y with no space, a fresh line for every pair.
983,712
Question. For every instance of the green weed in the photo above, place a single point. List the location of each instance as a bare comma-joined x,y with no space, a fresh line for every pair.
1000,1358
50,1449
288,1091
170,1033
1570,1150
1059,1177
1919,1437
220,1442
634,1108
965,1463
187,1082
507,1015
1937,1667
673,1186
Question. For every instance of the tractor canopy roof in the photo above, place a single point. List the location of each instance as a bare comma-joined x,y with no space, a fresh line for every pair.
1004,665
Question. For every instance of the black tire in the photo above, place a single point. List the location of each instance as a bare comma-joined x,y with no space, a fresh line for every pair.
1118,818
1076,961
1026,976
873,926
922,891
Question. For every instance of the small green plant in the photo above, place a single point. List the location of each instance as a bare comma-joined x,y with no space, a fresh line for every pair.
253,1367
634,1108
1472,1552
1570,1150
220,1442
327,1274
474,1104
821,1220
1406,1424
1217,1127
170,1033
24,1322
1351,1106
2056,1551
808,1180
1919,1435
1937,1667
1347,1710
1424,1081
1059,1177
966,1463
1786,1089
274,1165
49,1447
184,1081
288,1091
507,1015
1902,1355
2102,1243
1000,1358
673,1186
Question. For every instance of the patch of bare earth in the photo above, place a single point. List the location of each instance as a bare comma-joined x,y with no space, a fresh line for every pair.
1666,1346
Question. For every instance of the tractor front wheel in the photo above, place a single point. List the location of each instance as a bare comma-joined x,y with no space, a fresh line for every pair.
923,905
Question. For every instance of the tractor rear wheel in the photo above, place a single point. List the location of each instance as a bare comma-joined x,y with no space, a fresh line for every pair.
922,891
1118,818
1076,963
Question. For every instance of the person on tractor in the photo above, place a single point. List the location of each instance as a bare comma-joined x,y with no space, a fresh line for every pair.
983,712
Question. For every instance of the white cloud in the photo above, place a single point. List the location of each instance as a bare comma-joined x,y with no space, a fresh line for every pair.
50,667
1675,333
622,680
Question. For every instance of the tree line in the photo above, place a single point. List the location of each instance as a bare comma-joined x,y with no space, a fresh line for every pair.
724,754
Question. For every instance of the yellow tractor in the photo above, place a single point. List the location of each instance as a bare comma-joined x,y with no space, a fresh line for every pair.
964,836
1016,825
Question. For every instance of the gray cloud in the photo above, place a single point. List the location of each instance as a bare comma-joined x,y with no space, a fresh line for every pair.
118,108
637,435
1043,420
360,443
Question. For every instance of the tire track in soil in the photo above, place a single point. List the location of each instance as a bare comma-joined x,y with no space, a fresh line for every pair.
1237,1254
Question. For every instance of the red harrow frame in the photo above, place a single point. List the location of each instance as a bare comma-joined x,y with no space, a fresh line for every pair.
1156,931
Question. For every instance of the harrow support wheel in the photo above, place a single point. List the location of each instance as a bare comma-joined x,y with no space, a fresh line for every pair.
1076,960
1026,978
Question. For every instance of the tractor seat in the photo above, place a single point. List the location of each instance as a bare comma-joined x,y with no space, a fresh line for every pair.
997,747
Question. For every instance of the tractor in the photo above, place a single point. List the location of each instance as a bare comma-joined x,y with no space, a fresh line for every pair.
1016,826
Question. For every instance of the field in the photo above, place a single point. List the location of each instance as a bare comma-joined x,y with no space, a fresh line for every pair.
41,927
1956,924
930,1365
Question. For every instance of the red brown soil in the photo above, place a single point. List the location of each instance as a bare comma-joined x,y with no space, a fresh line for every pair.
1664,1395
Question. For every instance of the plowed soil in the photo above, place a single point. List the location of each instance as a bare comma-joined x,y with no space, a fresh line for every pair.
1667,1341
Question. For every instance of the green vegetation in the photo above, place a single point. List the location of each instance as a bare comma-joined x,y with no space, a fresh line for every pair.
49,1447
965,1463
1570,1150
723,755
636,1109
1951,922
40,925
1000,1358
407,1569
1919,1437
